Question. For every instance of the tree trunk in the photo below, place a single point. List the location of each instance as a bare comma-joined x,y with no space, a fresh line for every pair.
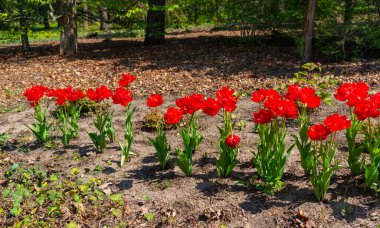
308,30
24,34
348,11
275,7
46,21
155,22
377,2
103,18
85,19
68,21
23,27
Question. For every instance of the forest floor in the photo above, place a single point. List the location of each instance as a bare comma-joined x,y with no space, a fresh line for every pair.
141,194
201,61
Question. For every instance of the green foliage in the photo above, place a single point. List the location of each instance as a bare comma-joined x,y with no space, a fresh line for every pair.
355,161
336,41
102,125
304,147
128,135
191,138
272,155
227,160
149,216
41,129
32,192
68,116
371,174
312,76
336,37
4,138
323,168
161,145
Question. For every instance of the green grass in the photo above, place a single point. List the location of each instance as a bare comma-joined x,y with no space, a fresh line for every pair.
39,34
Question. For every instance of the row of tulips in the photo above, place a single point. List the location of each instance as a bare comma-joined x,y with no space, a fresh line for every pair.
315,143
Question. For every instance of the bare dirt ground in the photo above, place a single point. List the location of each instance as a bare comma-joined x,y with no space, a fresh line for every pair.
197,62
204,200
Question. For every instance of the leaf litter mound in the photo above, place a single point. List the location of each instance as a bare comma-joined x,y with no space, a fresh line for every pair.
200,61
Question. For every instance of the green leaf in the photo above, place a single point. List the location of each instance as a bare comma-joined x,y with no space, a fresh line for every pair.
6,192
54,177
84,188
72,224
16,210
149,216
116,212
53,209
116,197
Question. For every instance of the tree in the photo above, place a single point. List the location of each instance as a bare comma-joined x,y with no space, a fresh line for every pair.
68,22
155,22
103,12
348,11
24,25
308,30
24,13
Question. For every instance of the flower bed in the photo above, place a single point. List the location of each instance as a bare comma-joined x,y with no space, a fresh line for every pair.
315,143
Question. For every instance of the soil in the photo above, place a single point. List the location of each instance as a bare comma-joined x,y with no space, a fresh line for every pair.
204,200
202,62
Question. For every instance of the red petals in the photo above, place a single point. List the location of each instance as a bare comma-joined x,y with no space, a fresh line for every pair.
190,104
66,94
224,92
99,94
337,123
173,115
76,95
228,103
375,99
353,93
232,141
318,132
305,95
263,116
226,99
154,100
282,108
262,94
293,93
34,94
211,107
122,96
126,79
366,109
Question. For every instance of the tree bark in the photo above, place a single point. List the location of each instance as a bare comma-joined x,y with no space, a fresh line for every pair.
275,7
348,11
155,22
68,21
308,30
24,34
46,21
103,12
24,26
